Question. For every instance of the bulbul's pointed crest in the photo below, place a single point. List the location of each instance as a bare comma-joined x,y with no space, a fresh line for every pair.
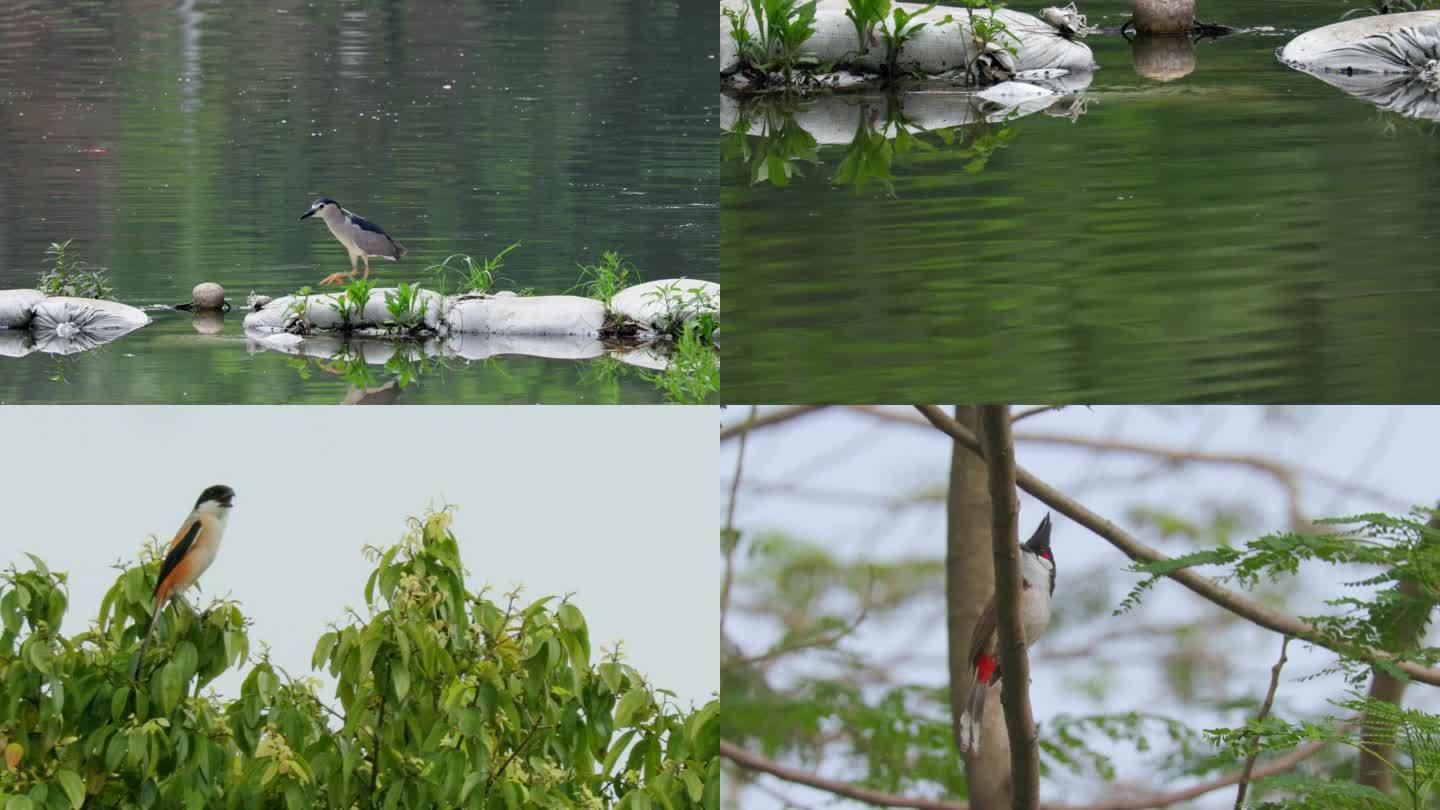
1039,542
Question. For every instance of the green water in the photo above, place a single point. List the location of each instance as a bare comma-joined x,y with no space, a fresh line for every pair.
1244,233
179,143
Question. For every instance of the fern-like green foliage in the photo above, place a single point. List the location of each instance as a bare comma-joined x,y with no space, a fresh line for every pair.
1415,764
1395,548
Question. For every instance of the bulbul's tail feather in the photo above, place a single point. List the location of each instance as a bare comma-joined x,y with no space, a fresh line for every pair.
970,719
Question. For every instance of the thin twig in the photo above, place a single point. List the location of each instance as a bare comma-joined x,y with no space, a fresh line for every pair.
1260,718
999,452
770,419
521,747
732,540
1036,411
1203,586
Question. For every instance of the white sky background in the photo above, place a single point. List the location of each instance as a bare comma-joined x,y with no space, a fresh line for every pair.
1386,450
611,503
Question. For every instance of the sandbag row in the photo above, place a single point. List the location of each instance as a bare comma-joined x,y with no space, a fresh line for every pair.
648,305
60,324
458,345
934,50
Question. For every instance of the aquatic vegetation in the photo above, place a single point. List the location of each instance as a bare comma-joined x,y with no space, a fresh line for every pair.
693,376
684,309
996,45
601,281
476,275
72,277
902,31
784,26
406,307
351,303
865,15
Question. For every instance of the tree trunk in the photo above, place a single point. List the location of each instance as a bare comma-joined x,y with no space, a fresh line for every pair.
969,581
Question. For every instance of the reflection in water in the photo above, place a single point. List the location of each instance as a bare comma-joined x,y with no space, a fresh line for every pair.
779,137
173,140
1163,58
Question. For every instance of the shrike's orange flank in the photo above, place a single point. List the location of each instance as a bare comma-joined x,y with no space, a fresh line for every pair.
190,553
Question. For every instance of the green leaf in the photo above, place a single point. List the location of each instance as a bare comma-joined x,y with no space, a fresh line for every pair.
616,749
322,650
693,785
631,705
400,676
570,617
19,803
73,785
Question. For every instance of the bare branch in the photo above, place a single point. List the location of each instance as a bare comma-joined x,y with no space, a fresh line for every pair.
1036,411
1233,601
768,420
729,535
1014,662
1264,712
755,762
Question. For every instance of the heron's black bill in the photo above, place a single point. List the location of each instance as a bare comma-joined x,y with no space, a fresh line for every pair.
309,213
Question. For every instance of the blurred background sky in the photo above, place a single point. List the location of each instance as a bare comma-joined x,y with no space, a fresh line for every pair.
559,499
835,478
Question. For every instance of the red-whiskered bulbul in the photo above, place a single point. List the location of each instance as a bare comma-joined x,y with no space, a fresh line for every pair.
190,553
1037,574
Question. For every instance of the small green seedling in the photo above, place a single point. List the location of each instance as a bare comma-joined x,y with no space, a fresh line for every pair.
601,281
69,276
406,307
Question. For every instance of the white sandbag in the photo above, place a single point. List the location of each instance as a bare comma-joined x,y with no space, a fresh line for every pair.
555,347
525,315
653,303
323,311
935,49
17,307
1382,43
1390,60
65,325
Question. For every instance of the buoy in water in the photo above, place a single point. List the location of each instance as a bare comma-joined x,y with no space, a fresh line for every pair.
1164,16
207,297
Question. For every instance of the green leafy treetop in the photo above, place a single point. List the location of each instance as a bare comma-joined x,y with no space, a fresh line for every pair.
445,699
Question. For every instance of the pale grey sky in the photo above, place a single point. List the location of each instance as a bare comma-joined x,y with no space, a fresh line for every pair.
615,504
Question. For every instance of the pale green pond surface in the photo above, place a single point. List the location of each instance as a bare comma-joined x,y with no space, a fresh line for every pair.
179,143
1244,233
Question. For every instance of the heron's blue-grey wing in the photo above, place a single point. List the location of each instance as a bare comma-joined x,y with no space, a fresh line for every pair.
389,241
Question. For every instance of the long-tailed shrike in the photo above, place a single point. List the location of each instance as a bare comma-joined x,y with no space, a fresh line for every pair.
190,553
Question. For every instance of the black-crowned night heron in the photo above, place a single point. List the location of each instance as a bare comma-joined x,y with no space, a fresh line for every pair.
362,238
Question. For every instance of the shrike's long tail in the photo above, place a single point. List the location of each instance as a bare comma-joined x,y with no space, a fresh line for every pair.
154,620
